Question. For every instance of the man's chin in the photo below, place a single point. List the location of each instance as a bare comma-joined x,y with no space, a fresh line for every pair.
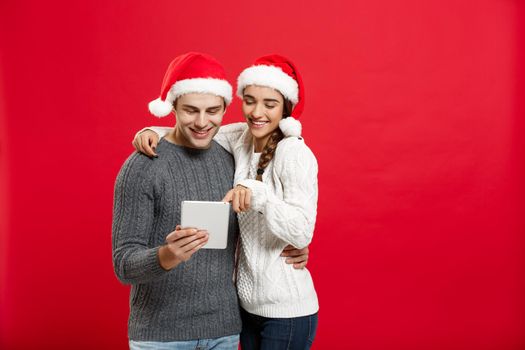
201,143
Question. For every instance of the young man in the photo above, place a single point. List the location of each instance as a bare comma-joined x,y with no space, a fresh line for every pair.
182,296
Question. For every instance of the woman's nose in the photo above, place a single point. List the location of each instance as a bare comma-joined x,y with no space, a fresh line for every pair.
258,111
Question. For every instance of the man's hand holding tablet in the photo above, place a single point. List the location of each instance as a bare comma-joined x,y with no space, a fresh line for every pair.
180,245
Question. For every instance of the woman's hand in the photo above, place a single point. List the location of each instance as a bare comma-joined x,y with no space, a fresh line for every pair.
240,197
146,142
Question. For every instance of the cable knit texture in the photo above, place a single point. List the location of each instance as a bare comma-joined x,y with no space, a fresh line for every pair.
197,299
284,208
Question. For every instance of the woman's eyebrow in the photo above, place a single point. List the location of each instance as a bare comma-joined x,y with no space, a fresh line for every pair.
264,100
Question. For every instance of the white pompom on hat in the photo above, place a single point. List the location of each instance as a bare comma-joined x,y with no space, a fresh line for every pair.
192,72
290,127
276,72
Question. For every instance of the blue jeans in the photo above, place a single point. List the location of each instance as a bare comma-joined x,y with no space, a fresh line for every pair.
262,333
225,343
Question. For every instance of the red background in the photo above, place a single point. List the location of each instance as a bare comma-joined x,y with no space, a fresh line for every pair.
415,112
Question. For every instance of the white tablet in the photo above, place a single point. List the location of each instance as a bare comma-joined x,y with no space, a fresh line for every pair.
210,216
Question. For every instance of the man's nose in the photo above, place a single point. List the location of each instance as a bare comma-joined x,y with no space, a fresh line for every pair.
202,120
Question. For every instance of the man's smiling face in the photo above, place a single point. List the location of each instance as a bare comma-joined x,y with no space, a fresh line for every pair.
199,117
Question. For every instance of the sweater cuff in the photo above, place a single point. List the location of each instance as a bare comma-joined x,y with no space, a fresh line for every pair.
153,263
259,193
161,131
147,266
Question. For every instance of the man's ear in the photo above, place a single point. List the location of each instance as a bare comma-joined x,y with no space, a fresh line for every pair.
174,108
225,105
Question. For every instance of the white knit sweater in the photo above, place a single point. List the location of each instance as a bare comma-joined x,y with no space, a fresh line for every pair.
283,211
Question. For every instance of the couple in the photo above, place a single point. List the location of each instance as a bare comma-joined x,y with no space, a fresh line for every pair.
183,297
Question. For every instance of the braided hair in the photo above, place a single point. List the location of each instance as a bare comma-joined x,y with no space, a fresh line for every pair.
271,145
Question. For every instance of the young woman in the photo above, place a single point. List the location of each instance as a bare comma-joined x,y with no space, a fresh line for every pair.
276,198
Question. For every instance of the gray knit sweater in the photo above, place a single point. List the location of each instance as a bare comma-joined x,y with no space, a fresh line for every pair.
197,299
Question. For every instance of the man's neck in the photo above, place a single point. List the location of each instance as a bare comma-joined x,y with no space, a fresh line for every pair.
172,137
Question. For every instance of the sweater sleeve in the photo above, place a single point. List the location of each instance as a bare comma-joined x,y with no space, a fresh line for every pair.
134,260
292,218
227,136
159,130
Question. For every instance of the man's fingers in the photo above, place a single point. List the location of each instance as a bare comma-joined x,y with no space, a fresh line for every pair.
178,234
191,252
184,241
290,250
195,243
299,266
297,259
287,248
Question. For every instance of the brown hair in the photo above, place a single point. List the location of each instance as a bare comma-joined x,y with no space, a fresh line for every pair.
174,104
271,145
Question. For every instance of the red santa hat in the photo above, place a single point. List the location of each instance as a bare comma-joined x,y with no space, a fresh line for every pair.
192,72
276,72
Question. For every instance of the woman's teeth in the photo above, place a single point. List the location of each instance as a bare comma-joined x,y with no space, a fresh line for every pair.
258,123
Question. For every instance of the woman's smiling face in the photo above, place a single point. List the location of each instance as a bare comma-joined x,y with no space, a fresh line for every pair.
263,109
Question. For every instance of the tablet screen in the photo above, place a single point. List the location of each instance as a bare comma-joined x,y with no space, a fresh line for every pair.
210,216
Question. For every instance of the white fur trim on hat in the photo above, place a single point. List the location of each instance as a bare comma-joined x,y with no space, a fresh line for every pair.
269,76
290,127
213,86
